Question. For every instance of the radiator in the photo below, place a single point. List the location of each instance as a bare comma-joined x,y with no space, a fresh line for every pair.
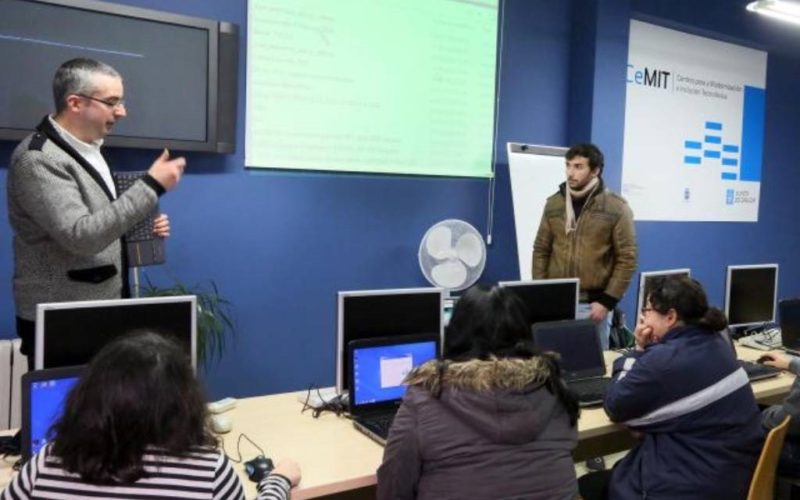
12,365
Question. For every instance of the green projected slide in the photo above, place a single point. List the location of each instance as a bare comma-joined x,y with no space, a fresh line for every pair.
384,86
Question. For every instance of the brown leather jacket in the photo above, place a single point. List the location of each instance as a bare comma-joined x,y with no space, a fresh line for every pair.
601,252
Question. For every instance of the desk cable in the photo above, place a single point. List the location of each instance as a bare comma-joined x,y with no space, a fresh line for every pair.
239,450
9,447
335,405
16,465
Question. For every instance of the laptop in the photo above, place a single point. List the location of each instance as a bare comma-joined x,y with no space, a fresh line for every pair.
582,361
378,368
44,393
789,316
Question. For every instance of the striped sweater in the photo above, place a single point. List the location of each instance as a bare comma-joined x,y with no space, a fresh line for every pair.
203,474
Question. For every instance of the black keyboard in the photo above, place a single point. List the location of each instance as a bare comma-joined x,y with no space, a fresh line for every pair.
756,371
143,230
143,247
375,426
379,425
590,391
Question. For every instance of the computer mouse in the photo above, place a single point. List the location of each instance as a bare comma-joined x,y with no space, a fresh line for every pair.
221,423
763,358
258,468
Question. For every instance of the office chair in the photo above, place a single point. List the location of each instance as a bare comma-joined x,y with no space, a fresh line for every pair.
762,486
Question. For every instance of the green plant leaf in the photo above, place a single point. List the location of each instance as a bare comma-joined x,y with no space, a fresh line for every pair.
215,322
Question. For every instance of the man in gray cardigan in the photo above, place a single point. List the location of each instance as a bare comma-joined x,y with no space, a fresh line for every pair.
67,218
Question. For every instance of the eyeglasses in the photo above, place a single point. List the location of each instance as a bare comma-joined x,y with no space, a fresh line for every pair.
111,102
645,310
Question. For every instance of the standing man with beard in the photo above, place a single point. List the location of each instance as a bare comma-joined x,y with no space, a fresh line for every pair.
67,217
587,232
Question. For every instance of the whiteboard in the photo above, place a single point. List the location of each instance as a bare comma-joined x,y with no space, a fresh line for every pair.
536,172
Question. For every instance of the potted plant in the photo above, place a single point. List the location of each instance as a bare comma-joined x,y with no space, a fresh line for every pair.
214,315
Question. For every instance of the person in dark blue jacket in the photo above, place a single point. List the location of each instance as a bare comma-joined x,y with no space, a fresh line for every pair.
683,393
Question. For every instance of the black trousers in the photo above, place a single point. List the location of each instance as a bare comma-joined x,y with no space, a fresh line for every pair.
26,331
594,485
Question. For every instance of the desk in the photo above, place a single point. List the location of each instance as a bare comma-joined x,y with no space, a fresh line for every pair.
336,458
6,471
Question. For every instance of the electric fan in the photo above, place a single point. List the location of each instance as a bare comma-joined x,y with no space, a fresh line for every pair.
452,255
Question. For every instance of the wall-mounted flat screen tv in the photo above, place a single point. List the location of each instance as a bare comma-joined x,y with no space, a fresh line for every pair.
179,72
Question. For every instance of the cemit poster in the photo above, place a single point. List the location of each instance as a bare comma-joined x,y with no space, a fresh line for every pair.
694,127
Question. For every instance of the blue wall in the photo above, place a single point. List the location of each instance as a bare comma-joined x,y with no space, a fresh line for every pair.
280,245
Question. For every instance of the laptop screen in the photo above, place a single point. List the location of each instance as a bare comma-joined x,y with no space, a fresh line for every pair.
577,343
45,392
379,370
547,300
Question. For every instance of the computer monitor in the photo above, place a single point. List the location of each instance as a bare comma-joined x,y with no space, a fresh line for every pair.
365,314
751,294
447,310
789,316
547,300
44,393
71,333
645,277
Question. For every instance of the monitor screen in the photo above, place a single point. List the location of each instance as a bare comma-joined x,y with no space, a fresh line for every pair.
147,47
577,343
389,87
71,333
45,393
751,294
645,277
547,300
447,310
384,313
379,371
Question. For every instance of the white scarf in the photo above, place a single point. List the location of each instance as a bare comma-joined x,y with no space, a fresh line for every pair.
571,222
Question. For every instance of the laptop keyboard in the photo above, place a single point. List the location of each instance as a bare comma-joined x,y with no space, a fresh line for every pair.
144,248
143,230
590,391
379,424
758,371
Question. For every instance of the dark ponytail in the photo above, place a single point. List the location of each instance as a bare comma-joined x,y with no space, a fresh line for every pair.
713,319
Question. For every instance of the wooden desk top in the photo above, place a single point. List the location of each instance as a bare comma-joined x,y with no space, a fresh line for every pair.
335,457
6,463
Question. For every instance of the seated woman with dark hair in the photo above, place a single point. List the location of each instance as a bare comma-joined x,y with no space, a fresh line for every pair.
136,426
493,419
685,396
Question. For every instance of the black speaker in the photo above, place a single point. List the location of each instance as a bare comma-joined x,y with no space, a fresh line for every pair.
227,85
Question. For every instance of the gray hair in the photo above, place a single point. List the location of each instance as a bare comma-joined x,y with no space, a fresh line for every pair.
75,77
